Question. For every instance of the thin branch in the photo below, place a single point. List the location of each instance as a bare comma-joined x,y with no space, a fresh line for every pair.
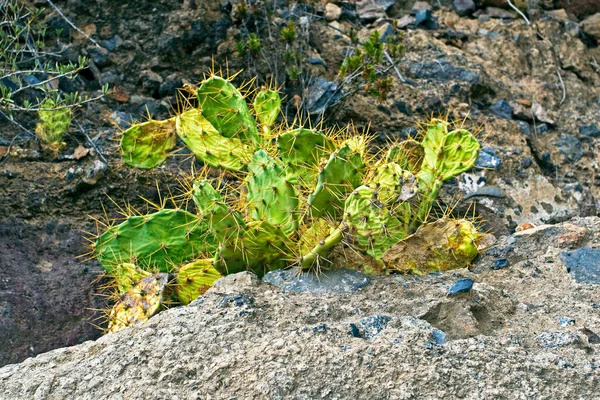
91,142
564,90
70,23
46,81
389,58
79,103
519,12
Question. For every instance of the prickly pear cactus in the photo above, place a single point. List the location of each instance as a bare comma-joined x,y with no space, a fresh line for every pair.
293,196
53,124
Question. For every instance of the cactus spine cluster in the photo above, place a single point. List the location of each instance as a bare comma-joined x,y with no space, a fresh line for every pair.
300,193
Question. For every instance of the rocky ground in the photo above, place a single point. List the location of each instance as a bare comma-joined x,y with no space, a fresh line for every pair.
531,90
519,325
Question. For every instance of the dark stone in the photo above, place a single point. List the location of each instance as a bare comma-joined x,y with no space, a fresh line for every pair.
589,130
99,55
464,7
583,265
488,159
322,94
320,328
371,326
439,337
334,281
113,43
461,286
169,86
402,107
593,338
110,77
541,128
500,263
570,148
525,128
354,331
502,109
442,71
316,61
409,132
424,19
526,162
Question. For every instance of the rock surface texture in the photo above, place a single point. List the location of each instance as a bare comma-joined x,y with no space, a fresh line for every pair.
525,331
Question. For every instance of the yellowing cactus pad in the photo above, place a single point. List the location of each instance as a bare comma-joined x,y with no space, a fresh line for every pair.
437,246
139,303
194,279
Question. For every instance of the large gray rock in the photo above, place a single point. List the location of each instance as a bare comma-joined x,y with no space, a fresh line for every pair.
398,337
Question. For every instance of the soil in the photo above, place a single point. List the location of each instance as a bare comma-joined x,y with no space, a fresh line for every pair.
500,76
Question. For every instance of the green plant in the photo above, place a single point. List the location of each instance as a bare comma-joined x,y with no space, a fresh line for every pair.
300,194
53,124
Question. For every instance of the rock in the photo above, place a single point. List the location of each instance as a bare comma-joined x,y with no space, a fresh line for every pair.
464,7
370,326
122,119
553,339
461,286
235,283
593,338
99,56
488,159
583,265
420,6
151,82
113,43
591,26
442,71
502,109
439,337
590,130
405,22
424,19
566,321
500,263
385,31
570,148
486,191
370,10
94,172
495,12
332,12
334,281
527,113
322,94
170,85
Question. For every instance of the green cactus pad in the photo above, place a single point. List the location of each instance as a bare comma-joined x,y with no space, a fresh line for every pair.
437,246
156,241
126,275
316,242
148,144
270,196
342,173
301,151
375,228
208,145
226,109
139,303
392,183
194,279
267,105
53,125
408,154
260,248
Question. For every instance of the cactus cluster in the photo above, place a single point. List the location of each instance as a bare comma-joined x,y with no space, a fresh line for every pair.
290,196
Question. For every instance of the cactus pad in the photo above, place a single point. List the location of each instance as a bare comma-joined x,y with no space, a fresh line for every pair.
260,248
267,105
271,197
126,275
392,183
225,108
155,241
342,173
139,303
148,144
374,226
408,154
209,145
437,246
194,279
301,150
53,124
